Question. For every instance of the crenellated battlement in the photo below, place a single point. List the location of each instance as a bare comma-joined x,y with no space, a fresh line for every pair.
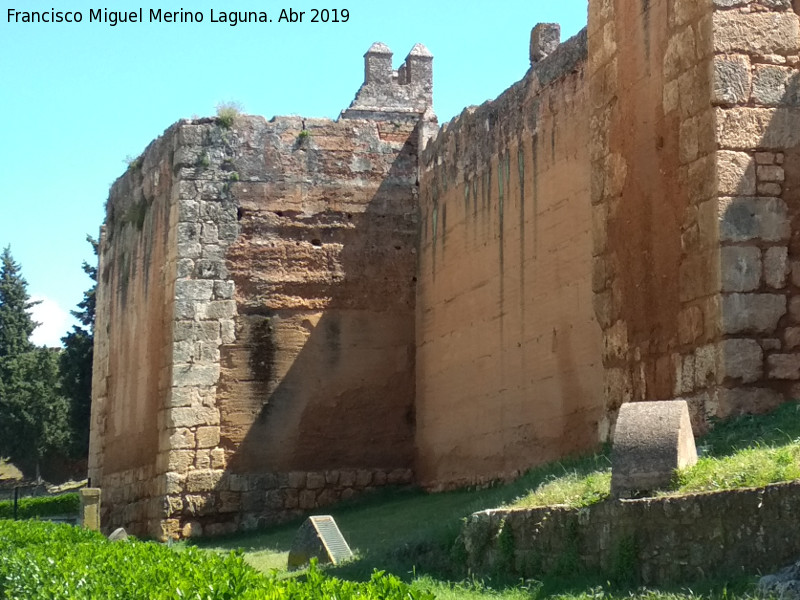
386,94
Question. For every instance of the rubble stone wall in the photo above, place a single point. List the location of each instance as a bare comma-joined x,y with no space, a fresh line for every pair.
651,540
508,349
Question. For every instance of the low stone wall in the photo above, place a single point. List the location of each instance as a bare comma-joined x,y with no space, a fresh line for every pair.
653,540
246,502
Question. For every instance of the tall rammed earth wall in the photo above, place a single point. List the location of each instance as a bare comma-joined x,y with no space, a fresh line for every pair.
133,338
256,323
508,349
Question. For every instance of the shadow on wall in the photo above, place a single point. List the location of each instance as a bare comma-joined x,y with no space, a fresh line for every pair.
316,394
759,233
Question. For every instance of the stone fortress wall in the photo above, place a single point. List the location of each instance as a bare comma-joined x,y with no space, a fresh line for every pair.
291,312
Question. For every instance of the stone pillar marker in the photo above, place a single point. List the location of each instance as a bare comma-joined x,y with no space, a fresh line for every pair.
90,508
651,440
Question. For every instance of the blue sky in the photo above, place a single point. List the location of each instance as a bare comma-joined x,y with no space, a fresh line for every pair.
77,99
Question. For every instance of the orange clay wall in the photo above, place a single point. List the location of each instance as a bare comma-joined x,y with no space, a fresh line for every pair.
509,370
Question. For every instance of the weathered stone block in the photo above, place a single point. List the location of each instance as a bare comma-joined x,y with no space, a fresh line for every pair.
705,366
774,85
791,338
771,173
188,233
545,38
179,461
202,459
756,32
731,79
400,477
200,504
794,306
783,366
680,54
776,266
347,478
740,359
297,479
739,400
690,324
185,375
688,141
617,386
224,290
210,268
191,416
307,499
769,189
203,480
736,173
181,438
363,478
192,529
216,310
767,128
615,340
174,483
765,158
315,481
193,289
743,219
195,331
651,440
752,313
207,437
218,458
740,267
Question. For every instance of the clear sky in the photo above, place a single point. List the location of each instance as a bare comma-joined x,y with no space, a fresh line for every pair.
79,98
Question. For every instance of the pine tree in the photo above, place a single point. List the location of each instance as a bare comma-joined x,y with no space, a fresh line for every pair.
33,413
16,323
34,419
76,364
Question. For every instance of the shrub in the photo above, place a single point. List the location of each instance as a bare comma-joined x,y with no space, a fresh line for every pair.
227,113
29,508
44,560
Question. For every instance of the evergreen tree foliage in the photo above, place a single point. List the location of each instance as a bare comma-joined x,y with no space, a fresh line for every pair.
76,364
16,323
33,412
34,419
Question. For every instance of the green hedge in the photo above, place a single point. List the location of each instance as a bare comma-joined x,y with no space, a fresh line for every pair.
29,508
41,560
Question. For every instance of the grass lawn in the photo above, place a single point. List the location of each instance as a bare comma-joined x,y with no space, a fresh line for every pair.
411,534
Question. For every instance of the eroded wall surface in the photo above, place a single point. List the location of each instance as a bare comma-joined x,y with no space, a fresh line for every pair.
314,397
133,339
255,347
651,540
509,370
652,153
